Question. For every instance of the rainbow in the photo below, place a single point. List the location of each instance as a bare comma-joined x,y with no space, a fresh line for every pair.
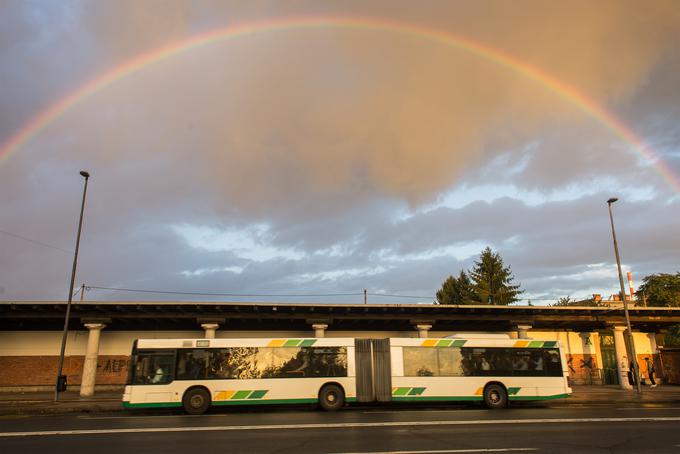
565,91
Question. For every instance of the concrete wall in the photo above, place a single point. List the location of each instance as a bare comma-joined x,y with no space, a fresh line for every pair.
29,358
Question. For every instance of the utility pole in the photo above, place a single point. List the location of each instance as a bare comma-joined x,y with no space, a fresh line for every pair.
365,297
82,292
62,379
631,342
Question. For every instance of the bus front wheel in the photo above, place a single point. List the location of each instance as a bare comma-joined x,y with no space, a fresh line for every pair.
196,401
495,396
331,398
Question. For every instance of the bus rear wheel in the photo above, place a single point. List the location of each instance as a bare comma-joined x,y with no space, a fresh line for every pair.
196,401
331,398
495,396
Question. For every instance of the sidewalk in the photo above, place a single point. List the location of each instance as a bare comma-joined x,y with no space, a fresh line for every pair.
41,402
37,403
608,394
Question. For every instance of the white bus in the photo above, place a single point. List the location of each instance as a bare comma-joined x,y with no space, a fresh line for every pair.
198,373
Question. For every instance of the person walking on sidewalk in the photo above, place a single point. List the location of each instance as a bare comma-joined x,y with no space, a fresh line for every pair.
650,371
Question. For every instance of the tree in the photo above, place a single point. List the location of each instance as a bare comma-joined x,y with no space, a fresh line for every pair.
492,280
661,290
567,301
456,290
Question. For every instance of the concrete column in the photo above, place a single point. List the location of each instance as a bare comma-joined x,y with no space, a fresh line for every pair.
652,343
90,365
210,329
523,331
622,360
319,329
422,330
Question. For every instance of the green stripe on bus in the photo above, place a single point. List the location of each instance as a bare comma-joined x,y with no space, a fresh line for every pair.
307,342
258,394
292,342
444,343
265,402
241,394
400,391
513,391
435,398
416,391
152,405
535,344
554,396
459,343
549,344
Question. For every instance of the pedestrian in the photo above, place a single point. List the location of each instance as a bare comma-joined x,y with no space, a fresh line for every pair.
650,371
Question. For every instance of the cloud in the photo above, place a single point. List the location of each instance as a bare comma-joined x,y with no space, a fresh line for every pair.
341,159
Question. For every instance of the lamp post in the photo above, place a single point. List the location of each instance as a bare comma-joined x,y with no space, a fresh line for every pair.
61,381
636,369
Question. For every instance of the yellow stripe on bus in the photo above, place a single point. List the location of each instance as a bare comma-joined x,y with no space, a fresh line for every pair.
276,343
224,395
479,391
429,343
521,344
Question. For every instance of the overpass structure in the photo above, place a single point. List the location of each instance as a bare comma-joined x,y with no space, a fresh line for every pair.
101,332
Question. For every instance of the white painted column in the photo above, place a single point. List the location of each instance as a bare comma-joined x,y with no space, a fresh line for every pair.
319,329
523,331
622,360
422,330
210,329
652,343
90,365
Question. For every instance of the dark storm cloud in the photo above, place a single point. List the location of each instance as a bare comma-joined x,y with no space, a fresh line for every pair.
334,142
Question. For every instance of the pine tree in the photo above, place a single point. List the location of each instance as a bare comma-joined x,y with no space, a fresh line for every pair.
456,290
492,280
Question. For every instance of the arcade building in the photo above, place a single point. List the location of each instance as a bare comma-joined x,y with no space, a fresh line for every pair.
101,334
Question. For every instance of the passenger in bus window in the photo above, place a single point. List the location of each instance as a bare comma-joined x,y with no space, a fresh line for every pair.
485,365
158,377
538,361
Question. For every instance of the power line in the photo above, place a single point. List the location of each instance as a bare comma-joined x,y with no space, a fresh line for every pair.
387,295
35,241
274,295
168,292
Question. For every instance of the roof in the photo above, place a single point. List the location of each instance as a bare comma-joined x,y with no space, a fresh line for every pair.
181,315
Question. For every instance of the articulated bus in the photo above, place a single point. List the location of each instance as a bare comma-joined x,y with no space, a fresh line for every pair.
198,373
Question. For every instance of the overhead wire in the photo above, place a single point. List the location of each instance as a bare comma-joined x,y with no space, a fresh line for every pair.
35,241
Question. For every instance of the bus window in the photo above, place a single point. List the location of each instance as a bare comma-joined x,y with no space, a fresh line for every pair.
553,364
450,362
153,368
420,362
528,362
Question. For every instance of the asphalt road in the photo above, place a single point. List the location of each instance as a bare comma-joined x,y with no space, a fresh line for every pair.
541,429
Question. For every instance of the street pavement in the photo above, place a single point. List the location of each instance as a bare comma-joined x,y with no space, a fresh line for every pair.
621,425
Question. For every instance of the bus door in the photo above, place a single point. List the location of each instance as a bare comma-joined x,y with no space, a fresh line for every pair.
373,370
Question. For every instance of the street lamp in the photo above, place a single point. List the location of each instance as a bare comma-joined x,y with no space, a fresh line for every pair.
61,380
636,369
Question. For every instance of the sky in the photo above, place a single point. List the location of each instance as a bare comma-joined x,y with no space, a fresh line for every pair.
323,160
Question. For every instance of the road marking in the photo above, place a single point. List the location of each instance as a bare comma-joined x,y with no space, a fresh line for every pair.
375,412
445,451
648,408
349,425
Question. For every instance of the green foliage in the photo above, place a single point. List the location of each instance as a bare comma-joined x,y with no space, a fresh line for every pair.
489,282
567,301
492,280
661,290
672,338
456,290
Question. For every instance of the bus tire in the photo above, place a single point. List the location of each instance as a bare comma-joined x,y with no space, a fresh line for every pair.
331,398
196,401
495,396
